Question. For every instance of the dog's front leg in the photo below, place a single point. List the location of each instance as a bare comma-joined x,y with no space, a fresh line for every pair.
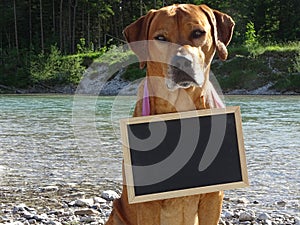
210,208
139,103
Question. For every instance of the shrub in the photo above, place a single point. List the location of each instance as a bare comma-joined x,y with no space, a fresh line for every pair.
133,72
46,68
297,63
55,69
251,41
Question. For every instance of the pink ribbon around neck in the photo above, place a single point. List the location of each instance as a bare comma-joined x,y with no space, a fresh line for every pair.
216,98
146,100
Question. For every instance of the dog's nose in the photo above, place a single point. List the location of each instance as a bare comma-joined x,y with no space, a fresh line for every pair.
181,62
181,71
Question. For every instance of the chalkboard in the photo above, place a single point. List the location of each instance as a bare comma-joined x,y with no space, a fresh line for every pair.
179,154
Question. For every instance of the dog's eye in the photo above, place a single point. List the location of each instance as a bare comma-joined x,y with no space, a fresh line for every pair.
160,38
197,33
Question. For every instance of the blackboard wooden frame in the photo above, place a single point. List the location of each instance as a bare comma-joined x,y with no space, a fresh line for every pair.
230,156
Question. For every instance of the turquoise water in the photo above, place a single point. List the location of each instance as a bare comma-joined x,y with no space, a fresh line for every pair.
49,139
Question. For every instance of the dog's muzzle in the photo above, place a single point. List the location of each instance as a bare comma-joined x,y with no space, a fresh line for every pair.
181,73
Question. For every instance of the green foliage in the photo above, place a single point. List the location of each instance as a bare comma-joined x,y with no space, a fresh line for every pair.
46,67
56,69
81,46
72,69
53,68
241,72
251,41
287,82
133,72
14,68
115,55
276,63
297,63
283,48
79,32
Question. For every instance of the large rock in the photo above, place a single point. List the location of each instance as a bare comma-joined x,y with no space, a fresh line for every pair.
247,216
100,79
109,195
84,202
227,214
264,216
99,200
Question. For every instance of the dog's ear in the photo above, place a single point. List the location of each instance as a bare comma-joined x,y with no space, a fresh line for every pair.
222,29
136,35
225,26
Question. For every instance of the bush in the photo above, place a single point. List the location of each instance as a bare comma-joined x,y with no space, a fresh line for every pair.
251,41
13,68
297,63
45,68
55,69
72,69
287,82
133,72
116,55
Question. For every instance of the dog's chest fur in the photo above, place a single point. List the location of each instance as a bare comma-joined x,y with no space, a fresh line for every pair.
180,100
184,209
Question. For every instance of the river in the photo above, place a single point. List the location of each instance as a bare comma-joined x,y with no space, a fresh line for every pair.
58,139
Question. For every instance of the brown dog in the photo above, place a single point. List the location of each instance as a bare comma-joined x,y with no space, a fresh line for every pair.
177,43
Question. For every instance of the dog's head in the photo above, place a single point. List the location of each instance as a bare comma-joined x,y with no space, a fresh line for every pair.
180,41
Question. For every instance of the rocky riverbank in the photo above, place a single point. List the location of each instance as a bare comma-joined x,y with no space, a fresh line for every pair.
99,80
54,205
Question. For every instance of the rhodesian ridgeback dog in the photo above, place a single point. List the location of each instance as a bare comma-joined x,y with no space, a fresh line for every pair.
177,44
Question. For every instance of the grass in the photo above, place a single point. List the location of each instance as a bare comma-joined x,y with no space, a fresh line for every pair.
278,64
267,47
239,73
116,55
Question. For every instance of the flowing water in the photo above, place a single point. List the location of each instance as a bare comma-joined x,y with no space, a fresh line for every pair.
57,140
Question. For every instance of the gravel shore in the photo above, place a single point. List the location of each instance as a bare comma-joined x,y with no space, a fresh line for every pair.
54,205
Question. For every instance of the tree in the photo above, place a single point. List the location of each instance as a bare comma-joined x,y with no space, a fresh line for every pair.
74,25
61,25
53,17
16,28
42,27
30,23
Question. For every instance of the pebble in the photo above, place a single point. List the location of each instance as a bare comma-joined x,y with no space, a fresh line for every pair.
228,214
83,212
41,217
74,208
19,208
222,222
264,216
99,200
75,195
32,221
53,223
110,195
243,201
87,219
247,216
268,222
27,215
281,203
84,202
48,188
297,220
